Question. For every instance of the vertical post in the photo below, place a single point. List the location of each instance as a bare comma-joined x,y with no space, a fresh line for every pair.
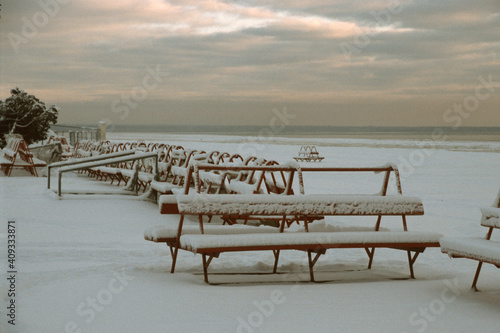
48,176
72,138
157,172
289,188
101,131
386,182
59,176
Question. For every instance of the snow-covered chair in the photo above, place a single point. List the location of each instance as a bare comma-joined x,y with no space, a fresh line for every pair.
17,155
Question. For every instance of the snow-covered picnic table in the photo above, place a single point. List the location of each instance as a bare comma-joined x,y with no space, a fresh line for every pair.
303,207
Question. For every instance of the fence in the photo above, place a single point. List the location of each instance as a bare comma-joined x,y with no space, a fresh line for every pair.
76,133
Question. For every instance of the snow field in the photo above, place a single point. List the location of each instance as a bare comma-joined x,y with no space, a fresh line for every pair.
84,266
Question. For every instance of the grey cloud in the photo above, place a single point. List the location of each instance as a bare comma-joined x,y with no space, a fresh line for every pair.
82,56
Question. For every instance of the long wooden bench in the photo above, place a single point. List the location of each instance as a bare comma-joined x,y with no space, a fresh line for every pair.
484,250
306,207
211,246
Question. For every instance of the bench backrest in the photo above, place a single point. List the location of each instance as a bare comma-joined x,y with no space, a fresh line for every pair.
491,215
18,147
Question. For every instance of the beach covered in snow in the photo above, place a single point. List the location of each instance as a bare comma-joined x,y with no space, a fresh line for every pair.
83,265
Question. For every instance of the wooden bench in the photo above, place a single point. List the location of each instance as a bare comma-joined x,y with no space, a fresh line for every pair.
305,207
172,170
484,250
17,147
313,242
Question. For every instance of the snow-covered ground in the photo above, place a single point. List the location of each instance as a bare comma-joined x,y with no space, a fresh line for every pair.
83,266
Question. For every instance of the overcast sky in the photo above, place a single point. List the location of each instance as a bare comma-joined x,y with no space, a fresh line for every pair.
318,62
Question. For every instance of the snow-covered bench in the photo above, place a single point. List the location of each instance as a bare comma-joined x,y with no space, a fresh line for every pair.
17,147
306,208
484,250
210,246
173,172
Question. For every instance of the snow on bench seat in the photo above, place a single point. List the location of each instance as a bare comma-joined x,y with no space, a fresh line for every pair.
261,204
163,187
163,233
473,248
308,240
108,170
167,232
480,249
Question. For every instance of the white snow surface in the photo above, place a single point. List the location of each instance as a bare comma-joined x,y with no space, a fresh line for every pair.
83,264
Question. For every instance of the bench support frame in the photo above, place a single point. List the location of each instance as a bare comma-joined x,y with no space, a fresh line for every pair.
209,254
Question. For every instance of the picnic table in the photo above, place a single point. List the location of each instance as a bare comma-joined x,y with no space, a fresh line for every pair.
308,154
303,208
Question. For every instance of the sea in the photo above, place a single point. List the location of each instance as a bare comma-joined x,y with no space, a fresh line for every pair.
352,132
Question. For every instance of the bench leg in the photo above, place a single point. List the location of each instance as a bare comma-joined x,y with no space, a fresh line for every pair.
411,261
370,255
476,276
312,261
311,265
9,170
276,258
173,253
205,267
206,263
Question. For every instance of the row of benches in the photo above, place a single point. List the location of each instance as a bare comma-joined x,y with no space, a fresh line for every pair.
161,172
239,191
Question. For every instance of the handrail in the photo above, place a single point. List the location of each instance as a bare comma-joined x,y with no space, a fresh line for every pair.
85,160
136,156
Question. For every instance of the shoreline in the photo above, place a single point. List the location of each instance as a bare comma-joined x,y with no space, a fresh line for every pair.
457,143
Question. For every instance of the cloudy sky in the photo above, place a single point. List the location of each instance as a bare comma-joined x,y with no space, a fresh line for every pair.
320,62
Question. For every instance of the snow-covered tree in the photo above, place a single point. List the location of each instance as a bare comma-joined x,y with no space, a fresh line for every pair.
26,115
